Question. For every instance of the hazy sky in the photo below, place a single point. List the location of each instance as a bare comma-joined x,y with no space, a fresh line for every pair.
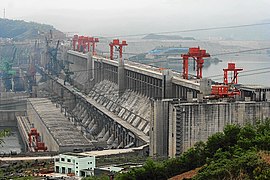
111,17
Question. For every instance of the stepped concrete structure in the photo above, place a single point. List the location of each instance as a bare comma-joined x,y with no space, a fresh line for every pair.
123,104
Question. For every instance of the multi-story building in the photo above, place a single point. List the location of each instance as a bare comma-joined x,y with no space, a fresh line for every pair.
71,163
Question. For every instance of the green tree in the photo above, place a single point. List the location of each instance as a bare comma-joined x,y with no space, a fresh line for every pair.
246,137
231,154
4,133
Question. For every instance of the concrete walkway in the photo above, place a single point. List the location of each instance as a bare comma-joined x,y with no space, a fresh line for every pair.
27,158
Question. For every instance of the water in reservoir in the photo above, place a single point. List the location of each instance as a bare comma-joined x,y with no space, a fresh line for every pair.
256,68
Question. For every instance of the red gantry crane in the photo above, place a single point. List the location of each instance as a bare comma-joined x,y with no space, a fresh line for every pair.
34,137
74,42
92,43
116,43
197,54
227,89
83,44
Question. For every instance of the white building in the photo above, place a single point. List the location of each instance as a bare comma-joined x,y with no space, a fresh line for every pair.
72,163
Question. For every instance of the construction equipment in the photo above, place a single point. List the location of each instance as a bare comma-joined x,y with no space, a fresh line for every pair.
227,90
68,73
34,140
74,42
84,44
31,74
197,54
53,65
118,46
92,42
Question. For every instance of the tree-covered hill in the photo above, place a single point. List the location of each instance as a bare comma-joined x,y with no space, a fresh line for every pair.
20,30
236,153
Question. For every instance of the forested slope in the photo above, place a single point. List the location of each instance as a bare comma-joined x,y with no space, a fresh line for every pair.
20,30
236,153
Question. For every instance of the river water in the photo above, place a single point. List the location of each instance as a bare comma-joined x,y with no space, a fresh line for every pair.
256,68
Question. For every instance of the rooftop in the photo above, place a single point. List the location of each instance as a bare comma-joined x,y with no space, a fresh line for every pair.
76,155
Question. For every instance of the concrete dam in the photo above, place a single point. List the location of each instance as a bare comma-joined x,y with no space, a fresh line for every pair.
124,104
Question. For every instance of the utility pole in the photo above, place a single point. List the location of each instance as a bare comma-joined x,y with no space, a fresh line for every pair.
4,13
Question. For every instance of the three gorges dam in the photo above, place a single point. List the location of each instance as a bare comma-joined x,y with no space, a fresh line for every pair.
78,100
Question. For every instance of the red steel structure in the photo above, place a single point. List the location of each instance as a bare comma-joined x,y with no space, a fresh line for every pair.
34,137
92,42
197,54
227,89
116,43
231,68
83,43
74,42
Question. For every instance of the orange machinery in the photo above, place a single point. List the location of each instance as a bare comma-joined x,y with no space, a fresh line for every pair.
34,138
116,43
227,89
83,43
197,54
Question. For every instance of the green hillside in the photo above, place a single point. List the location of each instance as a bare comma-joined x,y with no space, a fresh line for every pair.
236,153
19,30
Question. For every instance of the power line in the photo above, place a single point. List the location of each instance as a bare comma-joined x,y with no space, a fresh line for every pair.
251,74
144,87
242,51
213,55
234,52
217,75
106,68
190,30
136,88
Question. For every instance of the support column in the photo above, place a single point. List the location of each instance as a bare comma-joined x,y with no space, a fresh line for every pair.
34,92
121,77
159,124
166,84
90,73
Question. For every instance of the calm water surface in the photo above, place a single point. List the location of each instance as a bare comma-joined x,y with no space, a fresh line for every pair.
256,68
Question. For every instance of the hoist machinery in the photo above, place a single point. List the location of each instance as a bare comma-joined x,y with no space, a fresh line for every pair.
119,47
227,89
34,140
197,54
84,44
